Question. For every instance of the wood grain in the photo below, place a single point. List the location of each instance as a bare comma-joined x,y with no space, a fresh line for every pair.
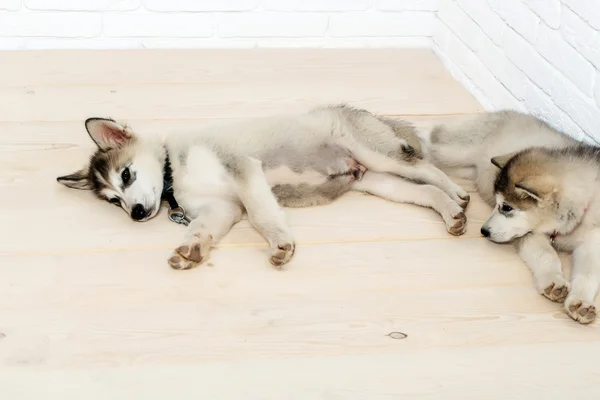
89,307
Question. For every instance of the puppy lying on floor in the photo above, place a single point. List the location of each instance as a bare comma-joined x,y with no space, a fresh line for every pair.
258,166
544,187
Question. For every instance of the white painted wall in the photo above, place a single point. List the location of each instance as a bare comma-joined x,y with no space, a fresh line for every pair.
51,24
541,56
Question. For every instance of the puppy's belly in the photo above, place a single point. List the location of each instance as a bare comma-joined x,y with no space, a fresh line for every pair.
283,175
311,187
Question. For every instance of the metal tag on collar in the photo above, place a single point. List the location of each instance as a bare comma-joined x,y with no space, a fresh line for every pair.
178,215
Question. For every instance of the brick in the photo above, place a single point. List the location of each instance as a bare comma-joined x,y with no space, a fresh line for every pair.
566,59
360,43
521,19
498,6
548,10
582,109
200,5
100,43
503,69
528,60
10,5
378,43
588,10
82,5
408,23
541,105
204,43
50,24
460,23
581,36
11,43
157,25
406,5
272,24
575,30
488,20
597,91
440,36
316,5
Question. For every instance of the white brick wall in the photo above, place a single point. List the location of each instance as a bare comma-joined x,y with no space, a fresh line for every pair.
541,56
34,24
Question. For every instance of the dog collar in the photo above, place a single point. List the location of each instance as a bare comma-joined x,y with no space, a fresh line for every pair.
555,234
176,212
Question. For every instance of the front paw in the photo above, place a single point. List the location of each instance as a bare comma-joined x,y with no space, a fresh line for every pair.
282,254
461,197
464,200
580,310
191,253
556,290
455,219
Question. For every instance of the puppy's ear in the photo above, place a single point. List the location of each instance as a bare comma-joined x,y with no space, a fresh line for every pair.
501,161
106,133
76,180
537,188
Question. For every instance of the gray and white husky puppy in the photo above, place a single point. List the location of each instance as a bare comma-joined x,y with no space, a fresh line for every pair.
259,165
544,187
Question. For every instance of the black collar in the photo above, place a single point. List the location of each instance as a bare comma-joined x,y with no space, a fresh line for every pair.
176,212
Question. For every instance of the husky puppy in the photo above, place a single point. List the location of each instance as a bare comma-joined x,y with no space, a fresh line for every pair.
259,165
544,188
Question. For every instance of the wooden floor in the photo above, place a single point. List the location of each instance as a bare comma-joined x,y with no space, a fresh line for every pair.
89,308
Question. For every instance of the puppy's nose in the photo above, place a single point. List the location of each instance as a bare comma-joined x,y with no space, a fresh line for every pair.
138,212
485,232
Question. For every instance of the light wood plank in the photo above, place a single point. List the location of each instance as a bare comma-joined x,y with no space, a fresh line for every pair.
217,66
254,98
175,84
84,311
550,371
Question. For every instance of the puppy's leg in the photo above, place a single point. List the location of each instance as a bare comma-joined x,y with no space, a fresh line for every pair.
393,188
211,221
417,170
585,280
264,212
541,258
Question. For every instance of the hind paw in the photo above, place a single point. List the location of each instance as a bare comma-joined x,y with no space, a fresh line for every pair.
358,171
581,311
191,253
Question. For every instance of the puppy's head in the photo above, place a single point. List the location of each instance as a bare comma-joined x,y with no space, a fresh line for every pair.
125,170
525,190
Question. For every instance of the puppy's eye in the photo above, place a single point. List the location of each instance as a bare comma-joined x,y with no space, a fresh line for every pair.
126,175
505,208
115,201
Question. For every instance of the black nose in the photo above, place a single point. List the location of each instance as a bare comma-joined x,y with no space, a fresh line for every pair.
485,232
138,212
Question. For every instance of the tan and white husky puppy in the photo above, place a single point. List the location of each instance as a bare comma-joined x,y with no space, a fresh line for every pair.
259,165
544,187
